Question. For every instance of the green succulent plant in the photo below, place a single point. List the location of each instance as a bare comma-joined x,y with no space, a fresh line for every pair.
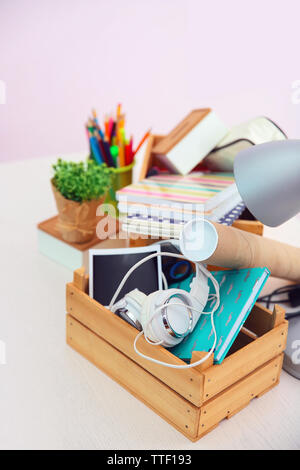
83,181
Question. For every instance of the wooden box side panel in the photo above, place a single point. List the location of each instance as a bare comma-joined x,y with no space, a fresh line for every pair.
168,404
239,395
261,320
186,382
149,158
244,361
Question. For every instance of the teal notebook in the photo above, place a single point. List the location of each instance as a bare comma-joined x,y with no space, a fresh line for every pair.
239,290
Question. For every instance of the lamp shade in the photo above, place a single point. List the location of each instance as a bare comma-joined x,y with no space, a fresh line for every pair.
268,180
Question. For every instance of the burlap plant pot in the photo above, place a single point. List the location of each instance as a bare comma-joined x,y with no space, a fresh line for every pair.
76,220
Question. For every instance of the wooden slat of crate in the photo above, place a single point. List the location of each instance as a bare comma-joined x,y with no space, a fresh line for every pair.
192,421
241,341
188,382
162,399
244,361
262,320
239,395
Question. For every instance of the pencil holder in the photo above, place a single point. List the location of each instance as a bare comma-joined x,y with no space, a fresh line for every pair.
121,177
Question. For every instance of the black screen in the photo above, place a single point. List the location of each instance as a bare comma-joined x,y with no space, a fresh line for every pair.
109,270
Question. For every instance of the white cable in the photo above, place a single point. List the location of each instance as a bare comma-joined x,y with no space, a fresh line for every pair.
199,267
194,364
134,267
164,281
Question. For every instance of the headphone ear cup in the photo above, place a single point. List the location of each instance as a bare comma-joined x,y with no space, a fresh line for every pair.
146,314
155,330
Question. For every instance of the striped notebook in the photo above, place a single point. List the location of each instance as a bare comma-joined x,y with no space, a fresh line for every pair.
166,227
209,189
177,211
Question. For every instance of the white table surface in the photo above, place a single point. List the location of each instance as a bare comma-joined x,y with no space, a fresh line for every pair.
50,396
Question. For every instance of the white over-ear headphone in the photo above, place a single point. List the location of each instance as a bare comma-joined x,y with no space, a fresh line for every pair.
167,316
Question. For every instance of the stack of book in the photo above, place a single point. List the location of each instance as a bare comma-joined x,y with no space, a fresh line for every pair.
160,205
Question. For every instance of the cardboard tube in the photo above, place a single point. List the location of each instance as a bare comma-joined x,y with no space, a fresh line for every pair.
239,249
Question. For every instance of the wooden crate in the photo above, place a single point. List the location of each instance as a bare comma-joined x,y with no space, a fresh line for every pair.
193,400
150,160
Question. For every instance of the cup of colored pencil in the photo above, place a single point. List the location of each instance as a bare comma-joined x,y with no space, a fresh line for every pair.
109,144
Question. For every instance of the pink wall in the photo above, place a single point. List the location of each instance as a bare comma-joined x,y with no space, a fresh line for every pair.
160,58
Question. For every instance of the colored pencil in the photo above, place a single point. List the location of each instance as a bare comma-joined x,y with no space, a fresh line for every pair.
95,117
95,148
113,131
114,150
106,127
131,151
101,147
118,111
121,154
110,161
142,141
110,127
127,154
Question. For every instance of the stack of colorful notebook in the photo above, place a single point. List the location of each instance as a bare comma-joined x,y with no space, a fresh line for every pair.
161,205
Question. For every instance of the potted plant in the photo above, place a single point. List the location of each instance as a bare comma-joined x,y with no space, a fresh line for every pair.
79,188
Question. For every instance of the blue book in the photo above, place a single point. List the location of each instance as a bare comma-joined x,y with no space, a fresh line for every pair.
239,290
